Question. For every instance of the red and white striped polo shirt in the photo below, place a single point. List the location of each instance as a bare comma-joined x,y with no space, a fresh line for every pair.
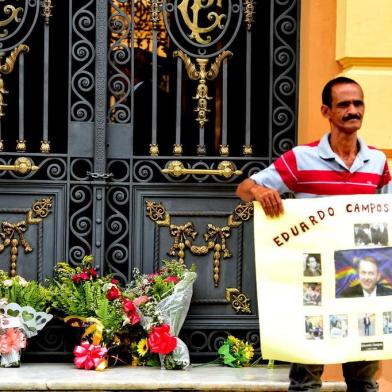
313,170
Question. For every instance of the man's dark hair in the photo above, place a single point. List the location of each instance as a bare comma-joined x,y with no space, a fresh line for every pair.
326,94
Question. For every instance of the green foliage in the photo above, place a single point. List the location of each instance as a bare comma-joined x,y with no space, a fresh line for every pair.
235,352
160,288
24,293
80,292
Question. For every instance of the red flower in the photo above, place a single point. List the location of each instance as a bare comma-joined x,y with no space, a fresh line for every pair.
76,279
160,341
89,357
173,279
130,310
115,281
92,272
84,276
112,293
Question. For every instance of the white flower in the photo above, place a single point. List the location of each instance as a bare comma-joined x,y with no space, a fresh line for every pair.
23,282
8,282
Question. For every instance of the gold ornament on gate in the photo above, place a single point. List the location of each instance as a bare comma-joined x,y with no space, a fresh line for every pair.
12,234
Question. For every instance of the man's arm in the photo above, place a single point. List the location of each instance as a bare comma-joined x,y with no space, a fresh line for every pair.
269,199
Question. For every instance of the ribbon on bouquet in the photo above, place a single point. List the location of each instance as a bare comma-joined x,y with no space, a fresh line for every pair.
12,340
89,356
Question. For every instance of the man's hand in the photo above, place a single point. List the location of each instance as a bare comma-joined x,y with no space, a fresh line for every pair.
269,199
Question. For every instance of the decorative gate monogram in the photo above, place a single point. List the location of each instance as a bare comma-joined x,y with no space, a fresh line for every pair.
193,25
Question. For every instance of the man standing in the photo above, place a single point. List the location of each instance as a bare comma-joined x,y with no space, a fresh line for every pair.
366,324
369,281
339,164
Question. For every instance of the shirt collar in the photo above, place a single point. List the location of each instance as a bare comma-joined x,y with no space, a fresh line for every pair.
372,294
325,150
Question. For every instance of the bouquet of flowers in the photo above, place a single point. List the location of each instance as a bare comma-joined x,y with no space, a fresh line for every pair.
160,302
138,325
235,352
95,303
22,307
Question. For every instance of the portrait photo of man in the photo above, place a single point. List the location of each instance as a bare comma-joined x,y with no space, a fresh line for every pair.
366,280
312,264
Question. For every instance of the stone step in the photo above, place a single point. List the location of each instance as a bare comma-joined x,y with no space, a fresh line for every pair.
64,377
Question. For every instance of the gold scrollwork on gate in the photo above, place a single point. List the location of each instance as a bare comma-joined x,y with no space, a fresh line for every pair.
157,213
194,23
6,68
239,301
202,75
215,237
243,212
12,234
9,9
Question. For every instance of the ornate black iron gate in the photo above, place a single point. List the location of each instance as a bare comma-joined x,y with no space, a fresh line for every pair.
141,115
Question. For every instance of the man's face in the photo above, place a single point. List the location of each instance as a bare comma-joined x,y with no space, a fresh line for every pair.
312,263
368,275
347,108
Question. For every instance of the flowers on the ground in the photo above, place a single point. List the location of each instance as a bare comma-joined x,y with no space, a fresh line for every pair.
160,302
127,326
235,352
24,293
87,300
22,315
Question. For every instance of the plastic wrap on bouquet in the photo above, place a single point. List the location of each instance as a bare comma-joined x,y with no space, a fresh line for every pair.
174,310
11,359
31,321
16,325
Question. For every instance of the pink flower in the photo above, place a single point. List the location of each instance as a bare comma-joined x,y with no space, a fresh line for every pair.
130,310
140,300
151,277
112,293
173,279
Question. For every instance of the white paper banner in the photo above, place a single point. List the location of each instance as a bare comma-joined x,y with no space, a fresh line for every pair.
314,266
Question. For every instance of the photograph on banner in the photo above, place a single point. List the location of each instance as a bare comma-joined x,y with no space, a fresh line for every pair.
363,272
324,279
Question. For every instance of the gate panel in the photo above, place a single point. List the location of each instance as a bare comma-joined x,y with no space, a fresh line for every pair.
103,144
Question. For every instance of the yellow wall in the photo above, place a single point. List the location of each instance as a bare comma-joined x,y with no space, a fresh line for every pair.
351,38
364,49
317,65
